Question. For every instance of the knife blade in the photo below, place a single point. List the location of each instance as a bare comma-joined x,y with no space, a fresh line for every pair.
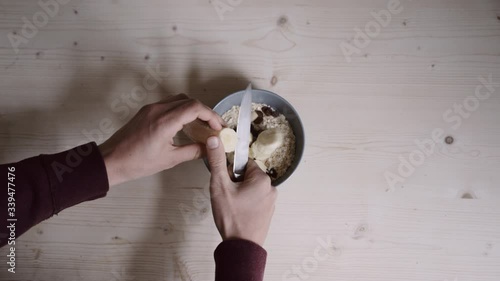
243,132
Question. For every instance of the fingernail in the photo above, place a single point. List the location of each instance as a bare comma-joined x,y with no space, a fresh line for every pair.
213,142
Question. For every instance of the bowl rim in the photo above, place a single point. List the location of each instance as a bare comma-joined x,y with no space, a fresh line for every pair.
298,156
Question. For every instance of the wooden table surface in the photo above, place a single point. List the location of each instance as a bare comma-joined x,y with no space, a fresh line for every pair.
378,187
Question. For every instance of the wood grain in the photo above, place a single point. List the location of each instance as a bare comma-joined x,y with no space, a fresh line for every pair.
440,224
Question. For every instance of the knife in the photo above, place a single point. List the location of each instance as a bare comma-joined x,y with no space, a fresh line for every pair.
243,132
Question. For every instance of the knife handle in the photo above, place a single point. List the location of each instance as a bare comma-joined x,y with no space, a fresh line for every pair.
199,131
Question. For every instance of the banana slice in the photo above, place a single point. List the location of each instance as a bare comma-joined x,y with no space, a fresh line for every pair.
267,142
229,139
254,115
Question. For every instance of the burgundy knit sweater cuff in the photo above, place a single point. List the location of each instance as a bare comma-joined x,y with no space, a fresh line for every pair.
47,184
75,176
239,260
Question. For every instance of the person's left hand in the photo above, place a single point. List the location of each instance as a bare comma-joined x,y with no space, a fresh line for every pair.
145,145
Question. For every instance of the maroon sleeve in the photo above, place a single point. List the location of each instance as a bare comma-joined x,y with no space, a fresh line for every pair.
47,184
239,260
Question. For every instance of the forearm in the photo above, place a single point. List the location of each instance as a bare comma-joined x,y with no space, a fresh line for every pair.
47,184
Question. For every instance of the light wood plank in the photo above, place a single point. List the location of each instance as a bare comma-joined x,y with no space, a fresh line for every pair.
360,116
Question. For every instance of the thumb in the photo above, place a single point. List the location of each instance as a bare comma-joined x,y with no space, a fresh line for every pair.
253,170
217,159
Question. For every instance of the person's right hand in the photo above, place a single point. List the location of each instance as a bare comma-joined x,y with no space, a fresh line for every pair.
145,145
241,210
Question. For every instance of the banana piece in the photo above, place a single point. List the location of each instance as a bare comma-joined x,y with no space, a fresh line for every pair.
229,139
254,115
199,131
267,142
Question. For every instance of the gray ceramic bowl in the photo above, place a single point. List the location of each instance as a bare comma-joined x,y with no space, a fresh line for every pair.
283,107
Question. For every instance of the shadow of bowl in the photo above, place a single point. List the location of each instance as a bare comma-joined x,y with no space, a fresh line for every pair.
283,107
